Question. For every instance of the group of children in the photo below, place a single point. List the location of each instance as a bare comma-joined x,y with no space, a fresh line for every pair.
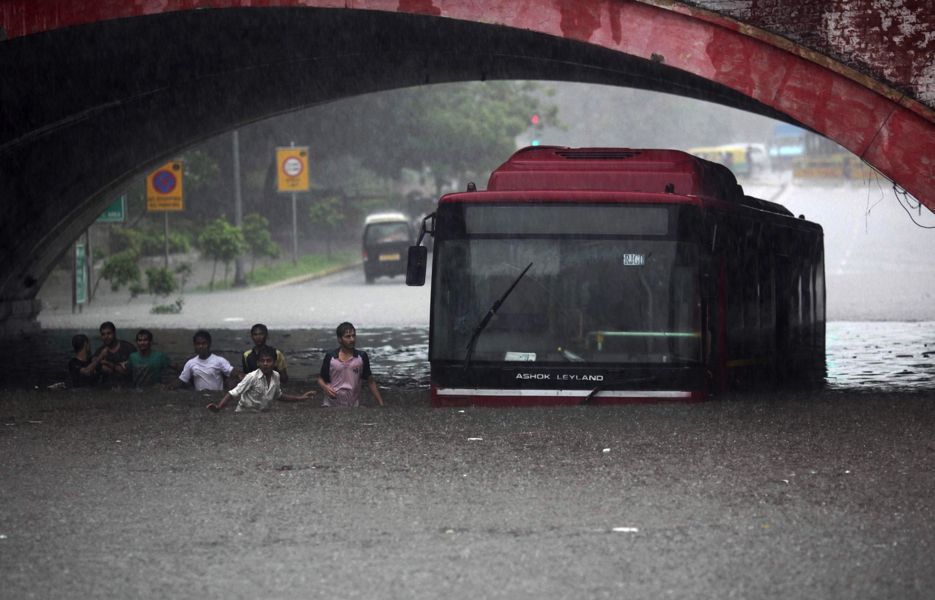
119,363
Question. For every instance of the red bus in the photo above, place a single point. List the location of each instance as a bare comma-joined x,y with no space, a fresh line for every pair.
612,275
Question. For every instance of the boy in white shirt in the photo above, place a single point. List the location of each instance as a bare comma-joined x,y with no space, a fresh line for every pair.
206,371
257,390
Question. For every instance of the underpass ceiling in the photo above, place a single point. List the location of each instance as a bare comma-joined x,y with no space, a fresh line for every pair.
890,41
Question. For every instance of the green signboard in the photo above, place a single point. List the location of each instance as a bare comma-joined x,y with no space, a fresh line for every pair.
116,212
81,274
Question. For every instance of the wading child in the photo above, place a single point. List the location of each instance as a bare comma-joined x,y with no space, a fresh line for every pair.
206,371
343,370
83,368
259,334
258,389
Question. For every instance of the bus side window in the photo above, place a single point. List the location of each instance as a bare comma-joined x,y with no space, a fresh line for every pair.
756,341
819,262
735,292
767,289
784,304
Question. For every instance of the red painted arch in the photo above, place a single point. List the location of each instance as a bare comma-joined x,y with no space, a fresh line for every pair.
888,130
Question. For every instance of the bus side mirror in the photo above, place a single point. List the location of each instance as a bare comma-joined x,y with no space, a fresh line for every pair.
415,268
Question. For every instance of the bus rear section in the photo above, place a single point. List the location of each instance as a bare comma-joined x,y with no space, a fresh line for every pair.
588,276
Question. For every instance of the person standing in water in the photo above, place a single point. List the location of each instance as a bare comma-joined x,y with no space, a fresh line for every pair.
344,370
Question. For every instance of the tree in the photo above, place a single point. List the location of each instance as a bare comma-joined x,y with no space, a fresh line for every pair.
447,131
361,146
147,241
159,281
327,214
183,271
204,191
221,241
599,115
453,130
120,270
259,242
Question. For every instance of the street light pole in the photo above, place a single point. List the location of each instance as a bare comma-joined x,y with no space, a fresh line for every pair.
240,279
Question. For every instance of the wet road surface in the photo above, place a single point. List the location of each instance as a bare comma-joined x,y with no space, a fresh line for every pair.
117,495
322,302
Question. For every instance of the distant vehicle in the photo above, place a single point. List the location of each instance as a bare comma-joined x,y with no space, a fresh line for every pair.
742,159
385,240
812,156
786,144
610,275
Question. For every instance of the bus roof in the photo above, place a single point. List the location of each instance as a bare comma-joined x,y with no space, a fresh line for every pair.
614,169
385,217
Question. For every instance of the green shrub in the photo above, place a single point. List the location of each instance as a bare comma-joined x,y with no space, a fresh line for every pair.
259,242
160,281
183,271
121,269
168,309
148,242
153,243
125,238
223,242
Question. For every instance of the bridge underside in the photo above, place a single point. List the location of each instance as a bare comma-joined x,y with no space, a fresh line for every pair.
85,108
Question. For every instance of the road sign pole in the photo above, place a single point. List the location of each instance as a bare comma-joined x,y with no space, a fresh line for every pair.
295,233
292,176
166,237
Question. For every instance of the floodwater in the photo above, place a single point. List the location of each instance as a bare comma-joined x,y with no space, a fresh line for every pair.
399,355
881,355
871,356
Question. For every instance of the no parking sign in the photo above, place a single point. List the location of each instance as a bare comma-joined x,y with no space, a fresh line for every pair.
292,169
164,188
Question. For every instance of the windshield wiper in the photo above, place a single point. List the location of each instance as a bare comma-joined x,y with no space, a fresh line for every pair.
603,386
490,313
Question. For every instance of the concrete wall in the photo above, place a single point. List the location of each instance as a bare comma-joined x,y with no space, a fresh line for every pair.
890,40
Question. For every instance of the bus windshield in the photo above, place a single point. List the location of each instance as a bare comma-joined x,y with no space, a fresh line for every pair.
595,299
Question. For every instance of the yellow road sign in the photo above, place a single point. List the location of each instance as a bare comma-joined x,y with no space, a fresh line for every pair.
164,188
292,169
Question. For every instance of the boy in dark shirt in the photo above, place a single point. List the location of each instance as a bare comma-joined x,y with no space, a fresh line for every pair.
259,333
113,355
83,367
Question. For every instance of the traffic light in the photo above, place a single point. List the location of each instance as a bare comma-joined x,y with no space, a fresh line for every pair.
536,122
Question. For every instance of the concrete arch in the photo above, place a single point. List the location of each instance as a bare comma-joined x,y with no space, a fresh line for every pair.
92,98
